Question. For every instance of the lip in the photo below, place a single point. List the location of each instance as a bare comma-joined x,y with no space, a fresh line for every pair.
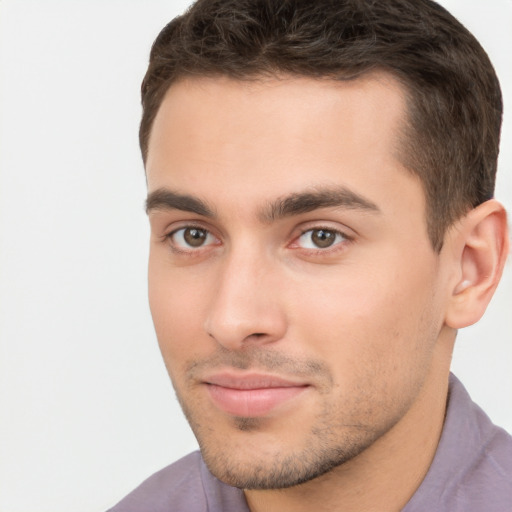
251,395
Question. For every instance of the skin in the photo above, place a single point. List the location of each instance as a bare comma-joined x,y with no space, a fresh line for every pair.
366,325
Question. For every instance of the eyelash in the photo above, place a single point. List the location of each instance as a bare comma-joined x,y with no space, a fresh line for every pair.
190,251
335,247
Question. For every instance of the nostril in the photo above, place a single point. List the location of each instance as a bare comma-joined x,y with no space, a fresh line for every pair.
255,337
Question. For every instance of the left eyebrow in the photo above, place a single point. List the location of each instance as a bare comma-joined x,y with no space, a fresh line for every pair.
310,200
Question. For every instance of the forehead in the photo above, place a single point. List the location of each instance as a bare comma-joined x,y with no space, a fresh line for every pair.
222,138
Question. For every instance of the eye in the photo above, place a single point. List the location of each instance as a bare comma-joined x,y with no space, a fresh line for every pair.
191,238
320,238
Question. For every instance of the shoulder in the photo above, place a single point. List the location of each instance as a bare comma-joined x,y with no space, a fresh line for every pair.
178,484
486,482
483,476
186,486
472,468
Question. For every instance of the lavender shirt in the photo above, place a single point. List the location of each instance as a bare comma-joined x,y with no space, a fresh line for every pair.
471,472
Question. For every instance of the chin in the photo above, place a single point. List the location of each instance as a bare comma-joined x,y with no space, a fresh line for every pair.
263,468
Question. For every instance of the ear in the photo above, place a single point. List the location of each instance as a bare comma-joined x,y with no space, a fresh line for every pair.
481,246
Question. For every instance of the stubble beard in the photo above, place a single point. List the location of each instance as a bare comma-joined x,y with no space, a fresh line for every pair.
280,470
331,441
327,447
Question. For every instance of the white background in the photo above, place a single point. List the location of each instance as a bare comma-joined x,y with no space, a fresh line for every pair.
86,409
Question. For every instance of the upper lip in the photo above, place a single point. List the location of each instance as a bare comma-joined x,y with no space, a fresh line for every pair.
251,381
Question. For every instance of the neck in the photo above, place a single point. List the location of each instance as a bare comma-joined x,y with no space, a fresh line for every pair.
386,475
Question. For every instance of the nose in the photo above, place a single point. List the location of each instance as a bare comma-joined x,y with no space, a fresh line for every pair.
245,308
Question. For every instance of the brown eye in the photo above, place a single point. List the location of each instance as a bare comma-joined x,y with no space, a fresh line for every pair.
194,237
320,238
191,238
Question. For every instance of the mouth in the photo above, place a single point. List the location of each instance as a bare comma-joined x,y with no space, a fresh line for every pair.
252,395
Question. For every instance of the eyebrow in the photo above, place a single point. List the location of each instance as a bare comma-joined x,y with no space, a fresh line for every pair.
287,206
165,199
320,197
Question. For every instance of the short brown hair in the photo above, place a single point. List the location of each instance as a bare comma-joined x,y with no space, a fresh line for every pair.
451,138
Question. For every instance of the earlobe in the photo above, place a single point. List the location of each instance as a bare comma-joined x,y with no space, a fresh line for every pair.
483,243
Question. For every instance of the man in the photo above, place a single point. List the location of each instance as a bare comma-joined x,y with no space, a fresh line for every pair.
320,193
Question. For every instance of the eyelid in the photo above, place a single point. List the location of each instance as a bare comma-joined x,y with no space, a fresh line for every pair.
172,227
336,227
168,238
347,235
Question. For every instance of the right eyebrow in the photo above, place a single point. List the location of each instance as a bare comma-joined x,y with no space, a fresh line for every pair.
165,199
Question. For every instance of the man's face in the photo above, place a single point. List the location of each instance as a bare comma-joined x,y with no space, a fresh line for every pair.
295,294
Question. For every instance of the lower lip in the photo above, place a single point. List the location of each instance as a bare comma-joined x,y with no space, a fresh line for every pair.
251,403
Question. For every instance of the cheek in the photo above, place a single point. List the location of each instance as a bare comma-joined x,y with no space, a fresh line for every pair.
176,303
376,324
